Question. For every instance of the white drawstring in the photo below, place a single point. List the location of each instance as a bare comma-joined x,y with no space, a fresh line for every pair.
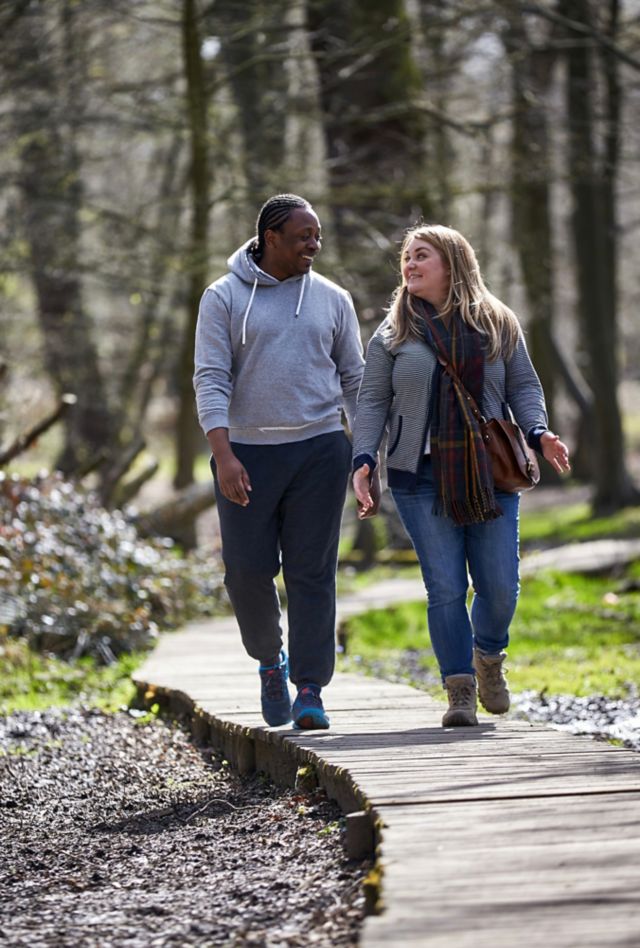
246,312
253,293
301,295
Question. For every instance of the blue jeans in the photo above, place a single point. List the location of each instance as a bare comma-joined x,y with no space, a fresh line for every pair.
448,553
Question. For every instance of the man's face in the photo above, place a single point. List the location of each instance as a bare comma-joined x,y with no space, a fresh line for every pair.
290,251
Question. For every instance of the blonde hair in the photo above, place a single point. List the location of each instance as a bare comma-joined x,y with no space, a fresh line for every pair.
479,308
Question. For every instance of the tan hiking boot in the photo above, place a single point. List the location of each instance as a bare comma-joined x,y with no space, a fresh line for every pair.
461,691
492,685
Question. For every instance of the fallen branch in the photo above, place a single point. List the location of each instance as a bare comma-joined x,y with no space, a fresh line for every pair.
127,490
24,441
171,517
118,468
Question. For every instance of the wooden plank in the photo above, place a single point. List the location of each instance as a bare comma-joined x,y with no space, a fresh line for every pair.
525,924
560,873
560,818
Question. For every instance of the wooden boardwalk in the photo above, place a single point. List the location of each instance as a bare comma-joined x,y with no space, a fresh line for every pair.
507,834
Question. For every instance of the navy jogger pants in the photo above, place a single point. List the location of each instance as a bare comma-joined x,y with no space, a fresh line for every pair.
292,520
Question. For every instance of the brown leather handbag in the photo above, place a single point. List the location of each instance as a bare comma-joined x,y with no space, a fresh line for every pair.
513,463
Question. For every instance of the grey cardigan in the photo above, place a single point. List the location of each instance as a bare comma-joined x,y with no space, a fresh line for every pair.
395,395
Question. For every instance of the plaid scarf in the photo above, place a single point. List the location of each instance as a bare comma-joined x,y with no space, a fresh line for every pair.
461,467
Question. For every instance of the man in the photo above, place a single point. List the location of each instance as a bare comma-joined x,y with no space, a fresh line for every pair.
278,357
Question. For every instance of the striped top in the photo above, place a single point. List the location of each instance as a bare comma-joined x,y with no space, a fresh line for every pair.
395,396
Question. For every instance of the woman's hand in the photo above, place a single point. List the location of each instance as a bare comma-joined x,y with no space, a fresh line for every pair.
555,451
367,490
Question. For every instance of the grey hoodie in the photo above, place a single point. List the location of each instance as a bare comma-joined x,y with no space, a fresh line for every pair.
275,360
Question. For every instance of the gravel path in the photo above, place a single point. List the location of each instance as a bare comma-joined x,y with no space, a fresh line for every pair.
122,833
611,719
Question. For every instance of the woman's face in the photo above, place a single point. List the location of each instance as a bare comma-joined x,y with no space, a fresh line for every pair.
424,272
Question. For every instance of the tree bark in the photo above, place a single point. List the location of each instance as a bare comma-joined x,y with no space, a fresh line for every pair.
531,72
374,133
51,190
188,435
254,52
593,225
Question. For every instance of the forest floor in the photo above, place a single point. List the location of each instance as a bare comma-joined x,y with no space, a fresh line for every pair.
118,831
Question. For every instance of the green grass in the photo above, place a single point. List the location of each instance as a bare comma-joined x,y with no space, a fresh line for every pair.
574,523
350,580
571,635
31,681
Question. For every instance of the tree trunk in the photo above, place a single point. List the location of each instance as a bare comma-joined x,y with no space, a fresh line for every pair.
438,69
51,190
188,435
255,51
531,71
374,134
175,517
593,223
27,438
148,351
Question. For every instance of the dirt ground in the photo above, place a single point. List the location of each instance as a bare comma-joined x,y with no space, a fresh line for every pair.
117,833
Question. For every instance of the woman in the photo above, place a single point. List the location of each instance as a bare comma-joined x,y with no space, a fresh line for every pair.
438,470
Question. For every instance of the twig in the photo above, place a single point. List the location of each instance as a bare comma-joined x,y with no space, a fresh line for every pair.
582,29
202,808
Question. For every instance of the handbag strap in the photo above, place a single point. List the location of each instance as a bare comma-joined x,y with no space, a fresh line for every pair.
519,434
446,365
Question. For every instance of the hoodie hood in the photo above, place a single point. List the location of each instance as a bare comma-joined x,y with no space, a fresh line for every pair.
242,265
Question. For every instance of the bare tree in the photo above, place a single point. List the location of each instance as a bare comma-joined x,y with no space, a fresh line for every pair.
592,183
188,437
255,50
532,60
374,132
41,54
443,41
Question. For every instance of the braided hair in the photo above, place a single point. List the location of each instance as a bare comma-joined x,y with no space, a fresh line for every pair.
273,214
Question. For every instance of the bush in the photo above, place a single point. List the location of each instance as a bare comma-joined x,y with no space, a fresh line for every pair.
76,579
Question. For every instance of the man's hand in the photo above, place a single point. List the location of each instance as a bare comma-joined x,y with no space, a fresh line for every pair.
233,479
231,474
367,489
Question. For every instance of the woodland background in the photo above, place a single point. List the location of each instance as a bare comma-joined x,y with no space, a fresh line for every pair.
139,139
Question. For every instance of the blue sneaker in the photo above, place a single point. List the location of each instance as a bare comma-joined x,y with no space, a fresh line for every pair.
308,711
274,694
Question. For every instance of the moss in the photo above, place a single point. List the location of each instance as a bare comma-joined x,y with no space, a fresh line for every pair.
306,778
372,887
